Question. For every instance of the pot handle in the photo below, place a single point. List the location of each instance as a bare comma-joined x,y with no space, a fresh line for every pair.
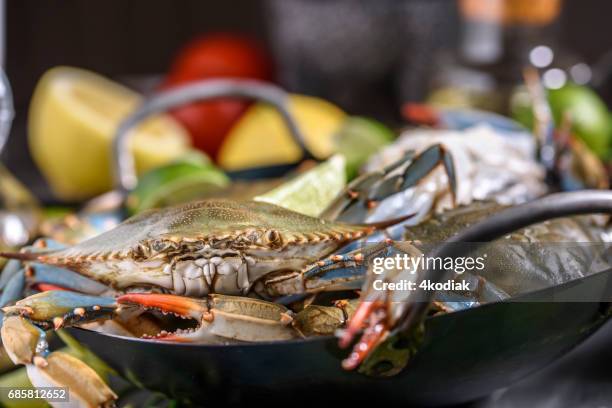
124,173
7,111
506,221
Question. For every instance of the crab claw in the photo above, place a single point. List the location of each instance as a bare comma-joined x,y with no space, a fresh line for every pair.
24,340
379,310
371,315
59,369
218,317
178,306
24,325
59,308
21,339
26,344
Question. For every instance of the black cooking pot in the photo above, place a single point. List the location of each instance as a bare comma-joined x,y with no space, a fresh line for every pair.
464,355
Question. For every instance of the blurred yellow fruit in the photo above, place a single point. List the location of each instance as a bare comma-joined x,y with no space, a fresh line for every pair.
73,117
261,138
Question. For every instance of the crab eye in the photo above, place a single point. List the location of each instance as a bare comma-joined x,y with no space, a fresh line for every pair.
158,246
273,237
140,251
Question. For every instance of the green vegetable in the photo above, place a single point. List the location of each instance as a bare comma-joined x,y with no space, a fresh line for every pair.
175,183
312,191
358,139
589,115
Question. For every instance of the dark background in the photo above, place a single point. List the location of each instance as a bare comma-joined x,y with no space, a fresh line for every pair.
127,38
119,37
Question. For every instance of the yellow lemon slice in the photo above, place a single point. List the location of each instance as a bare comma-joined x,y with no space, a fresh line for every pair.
261,138
73,117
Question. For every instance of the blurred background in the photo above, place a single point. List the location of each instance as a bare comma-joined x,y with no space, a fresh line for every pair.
367,57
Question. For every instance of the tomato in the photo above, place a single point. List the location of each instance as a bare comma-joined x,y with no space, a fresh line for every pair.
220,55
214,56
209,122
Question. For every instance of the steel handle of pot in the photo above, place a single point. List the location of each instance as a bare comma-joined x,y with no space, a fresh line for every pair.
123,162
7,110
506,221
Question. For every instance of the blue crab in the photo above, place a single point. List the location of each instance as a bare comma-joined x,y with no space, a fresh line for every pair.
194,264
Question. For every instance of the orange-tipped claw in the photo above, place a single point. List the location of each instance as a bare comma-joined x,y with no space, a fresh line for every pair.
356,323
178,305
372,315
45,287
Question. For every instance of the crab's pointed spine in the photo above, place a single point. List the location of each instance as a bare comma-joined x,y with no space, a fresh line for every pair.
24,256
374,226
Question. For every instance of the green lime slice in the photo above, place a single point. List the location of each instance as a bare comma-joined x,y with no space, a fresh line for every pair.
589,115
358,139
194,157
175,183
311,192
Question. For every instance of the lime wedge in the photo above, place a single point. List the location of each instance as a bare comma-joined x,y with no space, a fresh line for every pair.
589,115
311,192
175,183
194,157
358,139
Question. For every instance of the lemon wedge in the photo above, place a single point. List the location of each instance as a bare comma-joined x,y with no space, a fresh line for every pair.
261,138
73,117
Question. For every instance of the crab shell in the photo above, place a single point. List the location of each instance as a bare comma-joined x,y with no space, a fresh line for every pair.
212,246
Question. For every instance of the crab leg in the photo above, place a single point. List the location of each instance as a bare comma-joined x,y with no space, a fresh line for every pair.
338,272
378,311
365,192
13,289
357,190
317,320
10,269
64,278
375,313
15,277
56,309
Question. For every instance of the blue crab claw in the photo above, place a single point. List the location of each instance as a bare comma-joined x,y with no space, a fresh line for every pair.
217,318
86,387
24,339
367,191
378,310
59,308
371,317
26,344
